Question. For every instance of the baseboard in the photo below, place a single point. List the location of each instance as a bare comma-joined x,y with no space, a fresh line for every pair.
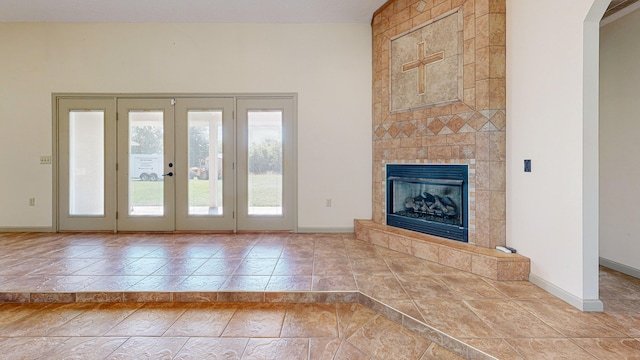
300,230
307,230
589,305
625,269
27,229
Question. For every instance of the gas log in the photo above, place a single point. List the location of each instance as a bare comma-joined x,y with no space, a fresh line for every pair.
441,206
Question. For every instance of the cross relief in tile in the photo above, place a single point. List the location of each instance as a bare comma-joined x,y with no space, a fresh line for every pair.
421,65
432,75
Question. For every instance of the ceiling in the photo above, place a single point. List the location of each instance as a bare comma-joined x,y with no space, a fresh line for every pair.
218,11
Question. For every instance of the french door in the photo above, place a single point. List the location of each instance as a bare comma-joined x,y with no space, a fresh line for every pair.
183,163
205,182
146,169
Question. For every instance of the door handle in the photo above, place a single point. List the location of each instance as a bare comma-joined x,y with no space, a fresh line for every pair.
170,173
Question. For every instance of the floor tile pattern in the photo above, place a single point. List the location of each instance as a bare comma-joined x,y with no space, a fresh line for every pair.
207,331
215,275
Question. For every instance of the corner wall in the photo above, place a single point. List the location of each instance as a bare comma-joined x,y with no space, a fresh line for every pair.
552,92
328,65
619,129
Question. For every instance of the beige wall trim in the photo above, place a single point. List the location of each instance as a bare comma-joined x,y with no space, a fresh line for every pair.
310,230
631,271
586,305
169,95
27,229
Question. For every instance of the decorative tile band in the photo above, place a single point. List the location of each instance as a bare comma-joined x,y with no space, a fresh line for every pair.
470,122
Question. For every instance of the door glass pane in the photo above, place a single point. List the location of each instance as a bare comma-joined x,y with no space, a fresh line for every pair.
146,158
265,162
205,162
86,163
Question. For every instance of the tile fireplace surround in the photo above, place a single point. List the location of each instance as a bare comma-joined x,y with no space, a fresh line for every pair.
467,130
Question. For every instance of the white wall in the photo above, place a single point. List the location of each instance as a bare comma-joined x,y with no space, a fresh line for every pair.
620,141
551,88
328,65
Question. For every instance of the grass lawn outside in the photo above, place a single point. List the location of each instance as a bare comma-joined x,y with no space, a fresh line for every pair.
265,190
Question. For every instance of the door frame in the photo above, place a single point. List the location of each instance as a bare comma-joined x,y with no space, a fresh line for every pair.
108,107
55,97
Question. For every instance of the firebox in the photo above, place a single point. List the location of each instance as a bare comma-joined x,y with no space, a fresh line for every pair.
431,199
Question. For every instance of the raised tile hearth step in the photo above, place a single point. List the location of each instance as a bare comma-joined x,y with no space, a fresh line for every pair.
292,297
489,263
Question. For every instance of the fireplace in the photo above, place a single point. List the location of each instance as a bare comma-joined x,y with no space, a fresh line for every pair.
431,199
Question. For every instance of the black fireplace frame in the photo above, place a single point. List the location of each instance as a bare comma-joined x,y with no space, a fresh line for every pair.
430,173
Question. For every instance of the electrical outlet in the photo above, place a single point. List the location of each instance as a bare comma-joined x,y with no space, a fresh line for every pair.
32,201
527,165
45,159
327,203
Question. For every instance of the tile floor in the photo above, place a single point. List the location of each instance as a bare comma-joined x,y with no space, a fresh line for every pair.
206,331
508,320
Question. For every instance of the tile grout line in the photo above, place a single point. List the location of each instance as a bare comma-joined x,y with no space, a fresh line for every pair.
413,302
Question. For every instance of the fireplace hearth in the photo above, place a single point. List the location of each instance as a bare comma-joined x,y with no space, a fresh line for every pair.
431,199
